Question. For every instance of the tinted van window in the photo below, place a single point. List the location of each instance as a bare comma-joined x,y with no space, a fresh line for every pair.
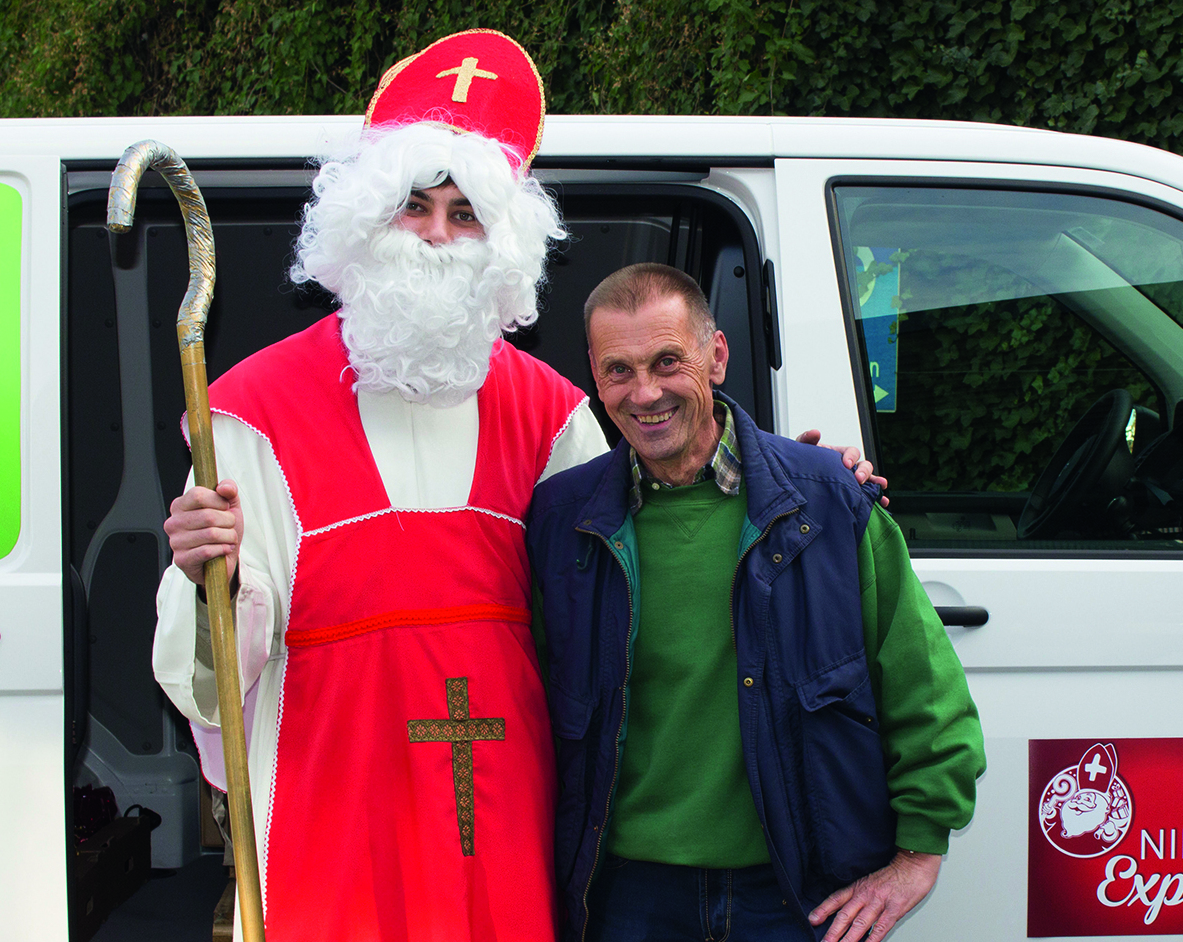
1023,357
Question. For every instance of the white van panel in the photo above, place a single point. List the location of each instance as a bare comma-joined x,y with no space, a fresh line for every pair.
38,546
957,141
32,793
1064,614
30,576
807,391
982,888
194,138
32,723
31,632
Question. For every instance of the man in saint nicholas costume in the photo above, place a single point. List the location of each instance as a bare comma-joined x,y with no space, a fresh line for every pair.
379,466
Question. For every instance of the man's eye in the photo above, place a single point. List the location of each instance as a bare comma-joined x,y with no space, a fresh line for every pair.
666,364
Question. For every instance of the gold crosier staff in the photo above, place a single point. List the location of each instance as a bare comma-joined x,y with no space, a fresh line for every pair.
121,207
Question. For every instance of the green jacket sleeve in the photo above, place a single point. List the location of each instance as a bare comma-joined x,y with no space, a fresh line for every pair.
932,740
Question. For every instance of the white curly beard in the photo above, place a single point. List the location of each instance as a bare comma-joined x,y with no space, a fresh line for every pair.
422,319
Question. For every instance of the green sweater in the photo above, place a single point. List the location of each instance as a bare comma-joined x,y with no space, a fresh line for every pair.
683,796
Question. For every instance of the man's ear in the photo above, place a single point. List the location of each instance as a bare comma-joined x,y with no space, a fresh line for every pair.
718,354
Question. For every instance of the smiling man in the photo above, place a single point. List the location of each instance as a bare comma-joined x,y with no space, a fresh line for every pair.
654,369
761,721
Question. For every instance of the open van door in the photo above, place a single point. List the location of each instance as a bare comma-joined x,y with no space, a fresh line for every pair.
32,687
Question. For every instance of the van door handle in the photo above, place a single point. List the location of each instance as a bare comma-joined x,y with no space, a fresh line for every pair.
968,616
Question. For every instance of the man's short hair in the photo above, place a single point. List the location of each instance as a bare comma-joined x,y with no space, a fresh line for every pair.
630,288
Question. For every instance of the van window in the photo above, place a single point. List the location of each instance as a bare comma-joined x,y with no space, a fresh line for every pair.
1022,355
10,368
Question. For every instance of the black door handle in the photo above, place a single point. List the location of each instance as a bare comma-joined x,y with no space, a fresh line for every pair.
970,616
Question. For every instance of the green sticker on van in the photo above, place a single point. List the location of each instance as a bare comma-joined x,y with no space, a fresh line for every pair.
10,368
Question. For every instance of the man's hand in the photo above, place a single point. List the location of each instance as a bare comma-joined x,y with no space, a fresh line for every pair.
204,525
863,470
872,905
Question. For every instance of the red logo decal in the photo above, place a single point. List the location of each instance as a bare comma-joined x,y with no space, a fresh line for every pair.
1085,809
1105,851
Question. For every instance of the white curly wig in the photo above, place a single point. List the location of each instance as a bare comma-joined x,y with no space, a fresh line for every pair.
418,318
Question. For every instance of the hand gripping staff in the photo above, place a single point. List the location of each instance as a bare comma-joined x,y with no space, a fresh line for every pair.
121,207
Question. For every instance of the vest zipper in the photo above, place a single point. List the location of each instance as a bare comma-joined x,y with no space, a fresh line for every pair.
739,562
628,666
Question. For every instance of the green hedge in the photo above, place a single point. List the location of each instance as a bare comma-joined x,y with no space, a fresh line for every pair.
1109,68
144,57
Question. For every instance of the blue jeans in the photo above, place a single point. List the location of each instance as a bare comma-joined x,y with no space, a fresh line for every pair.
635,900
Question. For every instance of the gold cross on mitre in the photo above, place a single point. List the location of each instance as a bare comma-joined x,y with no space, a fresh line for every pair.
461,731
465,73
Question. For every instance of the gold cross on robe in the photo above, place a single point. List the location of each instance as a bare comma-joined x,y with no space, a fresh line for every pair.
465,73
461,732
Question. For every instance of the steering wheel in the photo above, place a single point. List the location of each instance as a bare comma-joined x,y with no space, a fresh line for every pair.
1089,469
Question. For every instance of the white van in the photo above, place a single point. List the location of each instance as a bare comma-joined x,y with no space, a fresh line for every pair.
995,314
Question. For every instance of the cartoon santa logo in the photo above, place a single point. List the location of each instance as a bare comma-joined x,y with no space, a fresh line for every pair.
1086,809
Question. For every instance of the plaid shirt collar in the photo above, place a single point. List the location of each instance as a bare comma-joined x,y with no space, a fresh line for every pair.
725,467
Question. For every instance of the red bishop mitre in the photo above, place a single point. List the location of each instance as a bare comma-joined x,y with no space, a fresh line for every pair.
479,81
1097,768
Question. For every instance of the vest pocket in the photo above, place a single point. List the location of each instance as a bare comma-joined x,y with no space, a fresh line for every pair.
845,778
569,715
